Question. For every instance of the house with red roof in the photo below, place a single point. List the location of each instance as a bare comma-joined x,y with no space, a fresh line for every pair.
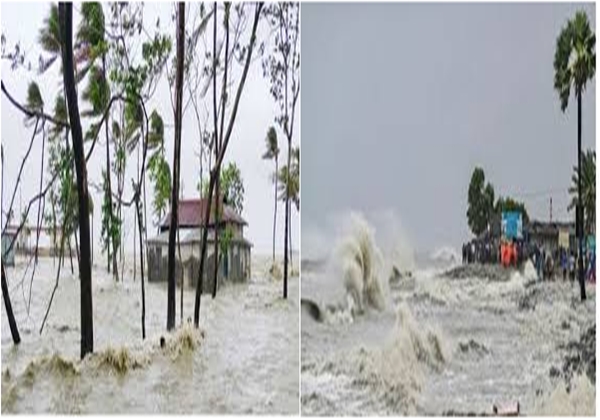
233,265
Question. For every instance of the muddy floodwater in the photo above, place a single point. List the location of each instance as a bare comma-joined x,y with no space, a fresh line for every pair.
244,358
432,340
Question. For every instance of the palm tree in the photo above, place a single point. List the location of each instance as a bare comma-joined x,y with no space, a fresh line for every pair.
290,187
49,39
588,190
575,64
272,152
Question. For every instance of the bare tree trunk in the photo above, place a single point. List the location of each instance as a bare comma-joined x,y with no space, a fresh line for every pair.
219,138
216,169
85,273
181,277
145,222
71,256
139,220
287,221
12,323
275,213
216,142
199,284
290,238
217,211
77,248
109,196
135,219
174,224
579,202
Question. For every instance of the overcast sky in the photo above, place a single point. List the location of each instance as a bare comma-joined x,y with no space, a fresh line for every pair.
402,101
21,23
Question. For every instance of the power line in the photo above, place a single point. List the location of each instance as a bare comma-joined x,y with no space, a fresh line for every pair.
542,193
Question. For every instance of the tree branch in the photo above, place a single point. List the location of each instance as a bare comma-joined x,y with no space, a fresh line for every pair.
30,113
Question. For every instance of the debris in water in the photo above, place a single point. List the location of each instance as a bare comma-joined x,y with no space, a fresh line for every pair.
63,328
508,410
581,357
473,346
529,300
312,309
491,272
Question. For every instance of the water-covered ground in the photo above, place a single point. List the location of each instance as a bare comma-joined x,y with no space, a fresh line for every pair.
244,358
444,343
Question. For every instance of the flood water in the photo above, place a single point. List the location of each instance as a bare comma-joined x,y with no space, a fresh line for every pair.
440,344
244,358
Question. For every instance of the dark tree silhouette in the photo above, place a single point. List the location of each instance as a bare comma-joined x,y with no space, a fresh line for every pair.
65,12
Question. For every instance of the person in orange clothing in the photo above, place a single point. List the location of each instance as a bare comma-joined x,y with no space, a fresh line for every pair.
504,254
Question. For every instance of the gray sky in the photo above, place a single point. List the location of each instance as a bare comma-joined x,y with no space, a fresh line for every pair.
21,22
402,101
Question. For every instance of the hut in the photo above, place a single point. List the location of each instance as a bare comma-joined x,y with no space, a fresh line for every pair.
234,265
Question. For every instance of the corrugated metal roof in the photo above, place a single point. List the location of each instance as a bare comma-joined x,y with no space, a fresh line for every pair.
191,236
191,214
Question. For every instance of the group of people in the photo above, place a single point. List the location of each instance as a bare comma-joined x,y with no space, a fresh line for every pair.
512,253
545,262
493,251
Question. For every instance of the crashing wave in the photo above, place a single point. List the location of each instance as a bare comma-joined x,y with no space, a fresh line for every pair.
360,262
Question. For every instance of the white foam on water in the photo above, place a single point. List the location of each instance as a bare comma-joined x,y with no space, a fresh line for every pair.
580,400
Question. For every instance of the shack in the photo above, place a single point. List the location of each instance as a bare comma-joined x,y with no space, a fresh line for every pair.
234,265
552,235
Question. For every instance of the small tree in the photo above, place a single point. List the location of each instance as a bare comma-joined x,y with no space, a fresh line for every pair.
588,191
232,186
272,153
480,202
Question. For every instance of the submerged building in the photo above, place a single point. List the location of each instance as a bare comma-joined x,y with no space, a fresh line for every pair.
234,265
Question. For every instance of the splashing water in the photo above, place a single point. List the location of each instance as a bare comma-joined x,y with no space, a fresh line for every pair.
440,344
243,359
360,261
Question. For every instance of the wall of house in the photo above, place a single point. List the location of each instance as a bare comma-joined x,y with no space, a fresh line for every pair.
235,267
